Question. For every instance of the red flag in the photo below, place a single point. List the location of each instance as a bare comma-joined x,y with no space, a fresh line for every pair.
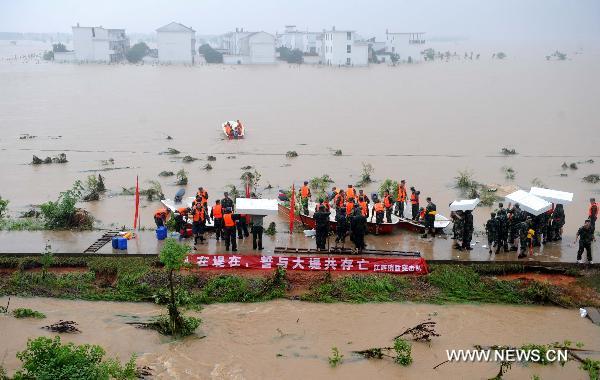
292,209
247,190
137,202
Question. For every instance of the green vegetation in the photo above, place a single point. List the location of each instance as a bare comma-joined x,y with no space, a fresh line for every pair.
401,352
250,178
472,189
365,176
509,173
62,212
337,152
27,313
557,55
500,55
22,224
93,187
389,185
538,183
171,151
182,178
137,52
142,279
207,167
290,56
60,159
592,178
165,173
272,230
464,180
47,358
3,207
336,358
48,56
508,151
428,54
233,191
188,158
319,185
291,154
154,191
210,54
173,255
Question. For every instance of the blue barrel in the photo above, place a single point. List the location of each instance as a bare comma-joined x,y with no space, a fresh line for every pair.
161,233
122,243
115,242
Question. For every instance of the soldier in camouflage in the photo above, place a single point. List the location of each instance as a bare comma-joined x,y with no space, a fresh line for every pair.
491,229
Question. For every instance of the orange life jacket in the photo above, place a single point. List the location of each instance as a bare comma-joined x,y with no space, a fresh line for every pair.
182,211
217,211
593,211
401,194
304,191
363,208
204,196
349,207
414,199
338,200
160,213
228,129
387,201
199,215
422,214
379,207
350,193
228,220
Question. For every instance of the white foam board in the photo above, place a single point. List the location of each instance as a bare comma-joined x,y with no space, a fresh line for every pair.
554,196
464,204
251,206
529,202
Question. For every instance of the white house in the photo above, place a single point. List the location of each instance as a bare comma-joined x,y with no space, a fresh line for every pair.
292,39
409,44
248,47
176,44
343,48
97,44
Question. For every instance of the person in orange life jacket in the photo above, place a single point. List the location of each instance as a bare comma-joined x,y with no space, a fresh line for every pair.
338,200
414,203
350,207
331,195
229,223
366,197
239,129
401,199
228,130
304,193
202,193
217,214
593,214
160,217
388,203
378,211
429,217
180,220
364,207
350,193
199,220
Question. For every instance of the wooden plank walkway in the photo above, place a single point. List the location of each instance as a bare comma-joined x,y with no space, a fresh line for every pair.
101,242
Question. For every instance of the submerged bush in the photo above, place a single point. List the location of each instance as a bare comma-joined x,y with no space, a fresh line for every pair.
291,154
62,212
27,313
47,358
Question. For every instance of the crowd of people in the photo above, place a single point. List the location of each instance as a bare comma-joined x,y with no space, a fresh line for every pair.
508,229
227,224
513,229
234,131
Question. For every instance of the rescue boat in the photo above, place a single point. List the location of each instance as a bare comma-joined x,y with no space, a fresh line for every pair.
233,124
309,222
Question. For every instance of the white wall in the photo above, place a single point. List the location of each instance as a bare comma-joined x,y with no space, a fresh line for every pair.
175,47
360,54
335,45
261,48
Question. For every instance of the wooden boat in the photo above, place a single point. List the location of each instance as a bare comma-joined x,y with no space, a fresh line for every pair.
408,224
233,125
309,222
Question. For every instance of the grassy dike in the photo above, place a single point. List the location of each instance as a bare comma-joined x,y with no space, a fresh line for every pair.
139,279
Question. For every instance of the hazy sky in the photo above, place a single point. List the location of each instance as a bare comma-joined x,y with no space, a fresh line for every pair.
530,20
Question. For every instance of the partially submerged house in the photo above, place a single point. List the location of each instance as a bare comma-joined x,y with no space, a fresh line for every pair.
176,44
344,48
241,47
96,44
407,45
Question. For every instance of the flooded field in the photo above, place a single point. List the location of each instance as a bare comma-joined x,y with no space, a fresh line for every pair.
421,123
290,339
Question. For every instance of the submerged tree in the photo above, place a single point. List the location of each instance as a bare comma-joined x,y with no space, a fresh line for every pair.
137,52
173,255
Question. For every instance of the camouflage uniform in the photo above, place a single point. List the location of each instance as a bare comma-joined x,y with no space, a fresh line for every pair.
502,230
491,229
458,229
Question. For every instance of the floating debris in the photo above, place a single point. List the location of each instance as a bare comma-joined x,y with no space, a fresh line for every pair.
171,151
508,151
338,152
291,154
63,327
211,158
165,173
207,167
592,178
188,159
421,332
60,159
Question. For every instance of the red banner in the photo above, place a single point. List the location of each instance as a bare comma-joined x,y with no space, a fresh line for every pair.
394,265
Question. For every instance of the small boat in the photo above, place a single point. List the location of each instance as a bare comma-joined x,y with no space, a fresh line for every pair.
233,124
439,224
309,222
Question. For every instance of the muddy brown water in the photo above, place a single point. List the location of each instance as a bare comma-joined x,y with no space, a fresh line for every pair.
291,339
419,122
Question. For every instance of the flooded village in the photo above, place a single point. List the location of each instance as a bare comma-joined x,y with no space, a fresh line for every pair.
198,200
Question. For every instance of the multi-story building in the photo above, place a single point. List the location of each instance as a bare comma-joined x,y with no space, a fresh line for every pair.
97,44
343,48
407,45
176,44
241,47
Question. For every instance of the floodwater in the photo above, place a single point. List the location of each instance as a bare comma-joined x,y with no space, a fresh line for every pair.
421,122
292,340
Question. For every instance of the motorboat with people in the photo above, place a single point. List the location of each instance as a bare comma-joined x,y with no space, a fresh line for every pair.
234,130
